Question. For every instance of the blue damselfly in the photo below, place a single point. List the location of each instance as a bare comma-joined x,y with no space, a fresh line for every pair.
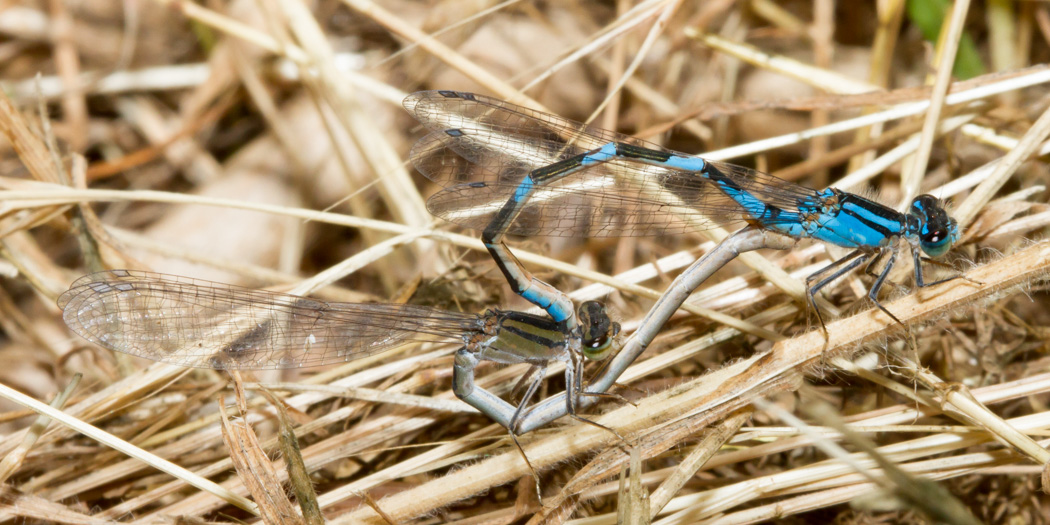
508,169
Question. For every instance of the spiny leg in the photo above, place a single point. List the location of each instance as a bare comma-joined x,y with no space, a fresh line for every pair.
487,403
918,270
526,379
612,395
580,390
609,395
869,269
573,386
858,257
541,371
873,293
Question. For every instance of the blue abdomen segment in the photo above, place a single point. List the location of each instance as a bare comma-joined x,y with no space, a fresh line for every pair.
524,190
831,216
752,207
761,213
559,310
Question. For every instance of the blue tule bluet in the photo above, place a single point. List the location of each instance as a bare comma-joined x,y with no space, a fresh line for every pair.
508,169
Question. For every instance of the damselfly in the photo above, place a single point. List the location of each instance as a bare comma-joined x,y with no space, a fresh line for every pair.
509,169
195,323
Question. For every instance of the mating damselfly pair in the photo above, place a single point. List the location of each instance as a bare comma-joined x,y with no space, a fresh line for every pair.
504,169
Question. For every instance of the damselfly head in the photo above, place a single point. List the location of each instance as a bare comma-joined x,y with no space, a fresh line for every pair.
598,332
937,231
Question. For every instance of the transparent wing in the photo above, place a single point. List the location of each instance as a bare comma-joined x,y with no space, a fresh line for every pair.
190,322
506,139
480,148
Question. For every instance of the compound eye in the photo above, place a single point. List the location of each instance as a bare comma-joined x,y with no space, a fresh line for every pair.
936,242
598,342
601,346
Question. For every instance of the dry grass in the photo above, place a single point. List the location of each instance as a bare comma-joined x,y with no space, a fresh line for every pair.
263,143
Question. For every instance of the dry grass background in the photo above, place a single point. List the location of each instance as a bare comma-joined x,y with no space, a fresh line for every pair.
263,142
